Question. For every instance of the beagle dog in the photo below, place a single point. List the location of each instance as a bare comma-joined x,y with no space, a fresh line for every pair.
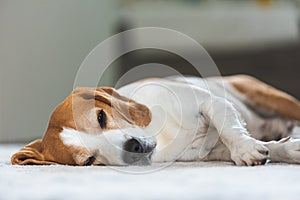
235,118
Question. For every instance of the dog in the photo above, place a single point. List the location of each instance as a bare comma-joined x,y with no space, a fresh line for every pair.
235,118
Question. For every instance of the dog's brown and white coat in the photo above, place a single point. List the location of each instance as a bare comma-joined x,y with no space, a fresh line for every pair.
236,118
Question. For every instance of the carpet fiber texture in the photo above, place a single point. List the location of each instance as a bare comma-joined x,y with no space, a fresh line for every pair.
189,180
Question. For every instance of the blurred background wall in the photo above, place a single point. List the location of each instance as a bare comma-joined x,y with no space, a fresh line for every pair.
43,43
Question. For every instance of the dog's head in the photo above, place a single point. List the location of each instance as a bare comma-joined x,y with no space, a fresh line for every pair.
93,126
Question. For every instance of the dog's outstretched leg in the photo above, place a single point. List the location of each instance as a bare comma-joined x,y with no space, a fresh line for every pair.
244,149
286,150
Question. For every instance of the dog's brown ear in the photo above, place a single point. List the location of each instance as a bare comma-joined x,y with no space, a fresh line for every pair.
139,114
30,155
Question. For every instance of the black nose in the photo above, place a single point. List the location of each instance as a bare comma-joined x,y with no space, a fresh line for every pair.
138,151
134,146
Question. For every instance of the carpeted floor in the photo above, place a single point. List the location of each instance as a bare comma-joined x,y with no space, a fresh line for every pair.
201,180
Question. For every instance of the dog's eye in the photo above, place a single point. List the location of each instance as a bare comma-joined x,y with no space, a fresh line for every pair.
102,118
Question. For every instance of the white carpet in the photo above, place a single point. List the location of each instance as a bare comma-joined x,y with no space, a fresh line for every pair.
201,180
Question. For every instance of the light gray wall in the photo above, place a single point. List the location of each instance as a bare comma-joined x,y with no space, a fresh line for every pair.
221,26
42,44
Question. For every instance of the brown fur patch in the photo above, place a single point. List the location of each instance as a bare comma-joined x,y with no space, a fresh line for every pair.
266,96
73,113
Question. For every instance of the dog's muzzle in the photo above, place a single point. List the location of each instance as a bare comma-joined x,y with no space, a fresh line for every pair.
138,151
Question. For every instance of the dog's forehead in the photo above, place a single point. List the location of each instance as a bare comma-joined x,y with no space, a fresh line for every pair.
82,99
84,105
89,98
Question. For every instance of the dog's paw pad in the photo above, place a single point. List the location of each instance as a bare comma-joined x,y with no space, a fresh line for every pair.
250,152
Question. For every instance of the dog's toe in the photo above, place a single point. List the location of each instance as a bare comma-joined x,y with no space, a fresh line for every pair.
250,153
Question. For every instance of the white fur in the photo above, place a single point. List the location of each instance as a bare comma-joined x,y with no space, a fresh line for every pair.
192,119
188,110
109,144
285,151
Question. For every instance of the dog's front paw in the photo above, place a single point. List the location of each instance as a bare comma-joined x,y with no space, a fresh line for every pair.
249,152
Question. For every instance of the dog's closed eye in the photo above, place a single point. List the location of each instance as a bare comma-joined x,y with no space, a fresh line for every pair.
102,118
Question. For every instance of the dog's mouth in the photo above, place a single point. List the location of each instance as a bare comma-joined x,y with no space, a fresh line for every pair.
137,158
138,151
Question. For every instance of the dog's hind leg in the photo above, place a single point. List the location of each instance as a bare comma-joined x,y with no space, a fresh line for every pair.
274,112
286,150
268,129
